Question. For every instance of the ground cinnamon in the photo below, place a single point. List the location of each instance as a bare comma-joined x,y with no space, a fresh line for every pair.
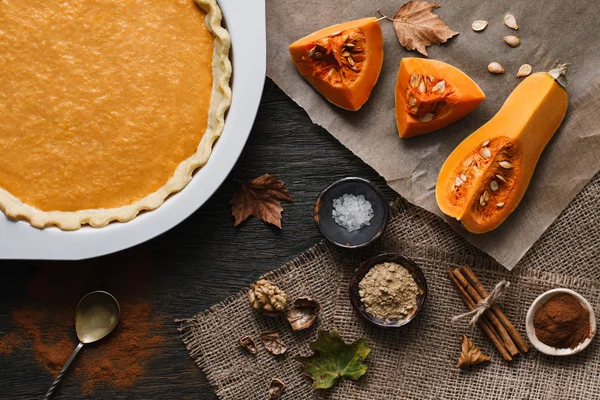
44,326
9,342
562,322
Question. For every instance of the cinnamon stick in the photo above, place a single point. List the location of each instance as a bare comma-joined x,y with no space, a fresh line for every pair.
512,331
483,321
510,345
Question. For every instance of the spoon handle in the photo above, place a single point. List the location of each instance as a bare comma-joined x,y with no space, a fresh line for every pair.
62,371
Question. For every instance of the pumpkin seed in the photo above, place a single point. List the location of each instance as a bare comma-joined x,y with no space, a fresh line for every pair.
431,78
524,70
412,101
482,201
323,42
312,51
478,26
407,94
414,80
351,45
463,177
422,87
486,195
494,185
331,72
428,117
439,87
500,177
512,41
346,54
485,143
495,68
458,181
335,33
485,152
350,60
511,21
506,165
500,205
318,55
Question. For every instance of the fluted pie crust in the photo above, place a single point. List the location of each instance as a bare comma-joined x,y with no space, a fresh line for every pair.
52,171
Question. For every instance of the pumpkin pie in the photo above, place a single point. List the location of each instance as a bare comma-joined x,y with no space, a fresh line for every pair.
106,107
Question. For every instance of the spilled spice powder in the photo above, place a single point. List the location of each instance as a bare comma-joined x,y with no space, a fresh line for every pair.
121,357
45,323
9,342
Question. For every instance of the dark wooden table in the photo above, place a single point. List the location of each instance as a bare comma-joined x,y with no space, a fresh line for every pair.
194,265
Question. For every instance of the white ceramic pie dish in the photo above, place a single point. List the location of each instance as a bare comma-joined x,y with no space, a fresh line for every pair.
246,23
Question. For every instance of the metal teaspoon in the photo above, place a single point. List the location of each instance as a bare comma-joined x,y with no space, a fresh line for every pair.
96,316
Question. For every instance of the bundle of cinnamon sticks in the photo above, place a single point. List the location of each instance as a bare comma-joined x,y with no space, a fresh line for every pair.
494,322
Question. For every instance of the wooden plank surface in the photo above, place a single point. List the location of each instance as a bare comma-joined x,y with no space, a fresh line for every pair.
186,270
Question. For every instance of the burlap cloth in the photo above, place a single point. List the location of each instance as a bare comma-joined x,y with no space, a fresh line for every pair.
417,361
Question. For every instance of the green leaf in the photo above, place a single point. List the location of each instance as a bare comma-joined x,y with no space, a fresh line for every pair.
333,359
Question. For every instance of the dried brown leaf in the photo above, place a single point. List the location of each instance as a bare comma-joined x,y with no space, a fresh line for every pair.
417,27
470,354
260,197
273,342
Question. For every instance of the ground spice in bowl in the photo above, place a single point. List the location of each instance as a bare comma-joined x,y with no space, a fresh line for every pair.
389,291
562,322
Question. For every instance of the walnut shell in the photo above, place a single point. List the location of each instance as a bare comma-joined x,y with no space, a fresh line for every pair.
273,342
303,313
248,343
276,388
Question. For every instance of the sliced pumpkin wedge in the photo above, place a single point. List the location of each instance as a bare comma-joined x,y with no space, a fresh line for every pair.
485,177
431,94
342,62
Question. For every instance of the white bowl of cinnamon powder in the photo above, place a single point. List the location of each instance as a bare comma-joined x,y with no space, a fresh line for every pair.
560,322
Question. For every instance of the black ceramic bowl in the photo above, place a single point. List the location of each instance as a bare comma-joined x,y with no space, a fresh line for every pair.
360,273
339,235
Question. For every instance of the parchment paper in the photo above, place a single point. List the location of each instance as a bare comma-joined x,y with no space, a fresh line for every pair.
549,31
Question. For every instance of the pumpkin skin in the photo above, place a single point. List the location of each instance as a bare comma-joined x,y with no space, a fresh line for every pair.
342,62
516,135
421,107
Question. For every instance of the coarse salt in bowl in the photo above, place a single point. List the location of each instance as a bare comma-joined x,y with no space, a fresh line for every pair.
351,212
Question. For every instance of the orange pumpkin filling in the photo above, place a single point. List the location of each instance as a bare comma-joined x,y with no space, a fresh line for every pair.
100,101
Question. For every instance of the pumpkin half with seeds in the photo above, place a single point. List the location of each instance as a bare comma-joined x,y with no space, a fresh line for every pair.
431,94
342,62
485,177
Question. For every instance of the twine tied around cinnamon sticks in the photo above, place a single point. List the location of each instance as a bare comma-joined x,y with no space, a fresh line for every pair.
484,304
496,325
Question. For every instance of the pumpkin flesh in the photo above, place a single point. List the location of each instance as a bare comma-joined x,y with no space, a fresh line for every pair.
431,95
342,62
485,177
